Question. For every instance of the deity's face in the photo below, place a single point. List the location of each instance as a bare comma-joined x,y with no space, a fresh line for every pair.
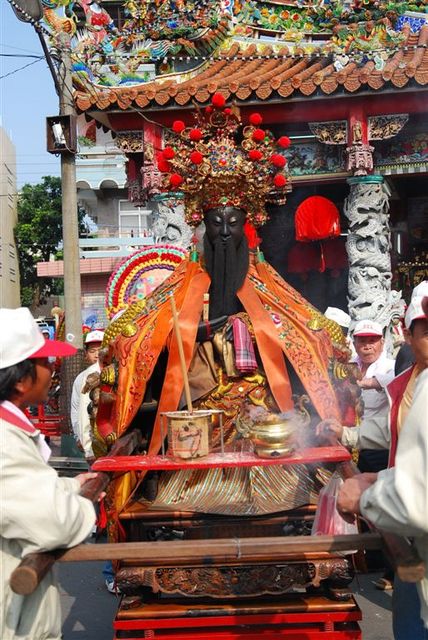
225,222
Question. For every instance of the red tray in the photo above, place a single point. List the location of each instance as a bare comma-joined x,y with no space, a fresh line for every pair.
217,460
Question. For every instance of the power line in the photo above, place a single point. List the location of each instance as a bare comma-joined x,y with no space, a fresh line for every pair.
11,73
19,55
9,46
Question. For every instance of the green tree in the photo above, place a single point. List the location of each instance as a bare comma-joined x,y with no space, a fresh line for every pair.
38,236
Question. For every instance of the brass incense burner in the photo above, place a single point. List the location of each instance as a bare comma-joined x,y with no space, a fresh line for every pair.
273,435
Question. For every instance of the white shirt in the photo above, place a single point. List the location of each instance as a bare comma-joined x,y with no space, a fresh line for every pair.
77,399
39,511
39,438
376,403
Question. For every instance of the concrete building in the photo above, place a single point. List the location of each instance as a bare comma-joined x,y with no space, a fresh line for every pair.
9,267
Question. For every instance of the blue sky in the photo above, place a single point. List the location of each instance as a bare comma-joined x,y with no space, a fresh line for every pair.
26,98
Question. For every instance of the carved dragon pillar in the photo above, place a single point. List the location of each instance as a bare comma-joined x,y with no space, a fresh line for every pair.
369,238
368,246
367,209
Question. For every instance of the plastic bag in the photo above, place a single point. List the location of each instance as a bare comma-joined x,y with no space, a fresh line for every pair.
328,520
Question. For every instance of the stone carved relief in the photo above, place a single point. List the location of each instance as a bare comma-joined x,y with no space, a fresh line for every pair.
169,226
334,132
384,127
368,247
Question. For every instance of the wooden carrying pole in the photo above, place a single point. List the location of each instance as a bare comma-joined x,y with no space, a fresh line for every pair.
181,354
32,569
176,553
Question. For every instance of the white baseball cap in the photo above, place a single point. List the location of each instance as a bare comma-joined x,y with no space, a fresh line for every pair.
368,328
21,338
420,290
339,316
94,336
414,311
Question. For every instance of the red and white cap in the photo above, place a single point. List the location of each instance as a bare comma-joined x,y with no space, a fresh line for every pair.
21,338
414,311
368,328
94,336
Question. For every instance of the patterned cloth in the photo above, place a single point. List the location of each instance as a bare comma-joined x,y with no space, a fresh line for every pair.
245,358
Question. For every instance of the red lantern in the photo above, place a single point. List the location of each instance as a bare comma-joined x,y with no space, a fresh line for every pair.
317,218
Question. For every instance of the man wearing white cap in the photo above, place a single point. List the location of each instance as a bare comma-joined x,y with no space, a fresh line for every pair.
397,499
38,509
343,320
79,416
377,372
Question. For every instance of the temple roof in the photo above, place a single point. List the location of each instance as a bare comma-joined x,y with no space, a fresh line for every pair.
245,72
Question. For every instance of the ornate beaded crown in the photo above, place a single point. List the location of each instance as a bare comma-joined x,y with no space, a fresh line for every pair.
213,169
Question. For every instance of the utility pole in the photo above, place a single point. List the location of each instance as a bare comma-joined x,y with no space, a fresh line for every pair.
70,367
70,224
31,11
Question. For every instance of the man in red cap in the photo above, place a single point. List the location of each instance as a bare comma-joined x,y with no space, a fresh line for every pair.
38,509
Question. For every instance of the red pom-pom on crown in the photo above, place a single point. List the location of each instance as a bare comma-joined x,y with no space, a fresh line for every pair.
278,160
218,100
195,135
255,155
258,135
284,142
175,180
256,119
196,157
178,126
280,180
168,153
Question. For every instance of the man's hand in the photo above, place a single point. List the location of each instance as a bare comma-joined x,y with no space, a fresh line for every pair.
369,383
348,500
329,432
206,330
83,478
